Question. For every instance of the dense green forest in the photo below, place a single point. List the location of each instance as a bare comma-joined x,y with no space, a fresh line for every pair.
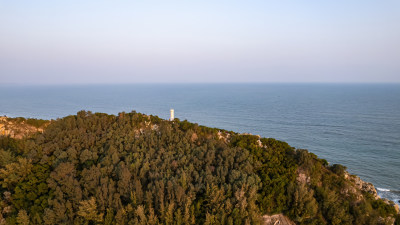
94,168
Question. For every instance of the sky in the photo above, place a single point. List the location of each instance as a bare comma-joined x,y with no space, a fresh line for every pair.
209,41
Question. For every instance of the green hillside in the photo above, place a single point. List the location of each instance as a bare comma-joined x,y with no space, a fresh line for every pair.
94,168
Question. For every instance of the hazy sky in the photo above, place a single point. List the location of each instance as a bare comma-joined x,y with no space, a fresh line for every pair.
46,42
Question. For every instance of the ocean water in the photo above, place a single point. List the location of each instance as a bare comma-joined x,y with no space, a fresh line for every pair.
356,125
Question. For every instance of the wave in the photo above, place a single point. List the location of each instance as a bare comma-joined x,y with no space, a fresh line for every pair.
393,195
382,189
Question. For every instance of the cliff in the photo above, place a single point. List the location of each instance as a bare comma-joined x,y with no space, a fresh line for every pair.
277,219
21,127
94,168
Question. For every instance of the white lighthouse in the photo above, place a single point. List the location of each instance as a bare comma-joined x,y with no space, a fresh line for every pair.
172,116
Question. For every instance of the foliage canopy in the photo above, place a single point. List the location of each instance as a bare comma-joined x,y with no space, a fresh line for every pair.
94,168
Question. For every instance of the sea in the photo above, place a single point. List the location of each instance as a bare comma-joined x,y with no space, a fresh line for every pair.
356,125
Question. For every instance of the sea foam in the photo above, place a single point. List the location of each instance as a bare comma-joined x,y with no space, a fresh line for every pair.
382,189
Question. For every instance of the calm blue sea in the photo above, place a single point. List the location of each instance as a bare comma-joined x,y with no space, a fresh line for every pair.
357,125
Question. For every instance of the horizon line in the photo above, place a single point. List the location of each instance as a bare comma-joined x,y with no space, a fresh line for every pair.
193,83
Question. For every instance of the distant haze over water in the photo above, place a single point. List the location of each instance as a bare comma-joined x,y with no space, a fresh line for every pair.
356,125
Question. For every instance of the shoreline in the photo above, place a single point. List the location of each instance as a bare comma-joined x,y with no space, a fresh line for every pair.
384,193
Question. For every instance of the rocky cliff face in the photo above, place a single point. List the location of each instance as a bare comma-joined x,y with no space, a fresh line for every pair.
369,188
277,219
16,128
353,186
361,185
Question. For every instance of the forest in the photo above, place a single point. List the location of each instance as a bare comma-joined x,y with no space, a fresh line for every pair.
131,168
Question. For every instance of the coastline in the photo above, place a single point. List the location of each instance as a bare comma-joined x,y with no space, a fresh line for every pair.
391,195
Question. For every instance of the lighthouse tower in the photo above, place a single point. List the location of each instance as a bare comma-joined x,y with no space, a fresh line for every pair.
172,116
